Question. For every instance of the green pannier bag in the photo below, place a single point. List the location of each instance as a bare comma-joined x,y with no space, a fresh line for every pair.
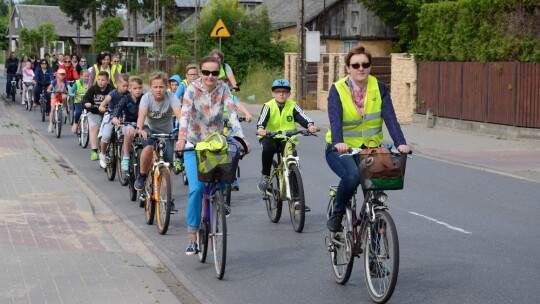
217,161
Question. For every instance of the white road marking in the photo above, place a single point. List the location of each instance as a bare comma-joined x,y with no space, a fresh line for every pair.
442,223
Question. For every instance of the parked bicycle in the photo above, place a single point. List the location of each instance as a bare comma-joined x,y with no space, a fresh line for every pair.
285,181
157,193
372,233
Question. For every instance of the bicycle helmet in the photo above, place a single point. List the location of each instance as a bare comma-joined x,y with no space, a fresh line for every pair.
281,83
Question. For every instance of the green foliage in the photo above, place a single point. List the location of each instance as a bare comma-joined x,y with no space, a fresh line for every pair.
107,33
180,45
479,30
258,84
251,39
31,40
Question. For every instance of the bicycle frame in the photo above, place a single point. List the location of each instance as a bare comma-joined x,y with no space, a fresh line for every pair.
283,170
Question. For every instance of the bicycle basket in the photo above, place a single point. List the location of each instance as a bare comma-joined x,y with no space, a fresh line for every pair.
371,182
217,160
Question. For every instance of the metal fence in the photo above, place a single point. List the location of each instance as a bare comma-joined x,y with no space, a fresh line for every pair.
506,93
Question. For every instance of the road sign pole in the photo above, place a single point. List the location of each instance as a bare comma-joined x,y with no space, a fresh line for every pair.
220,43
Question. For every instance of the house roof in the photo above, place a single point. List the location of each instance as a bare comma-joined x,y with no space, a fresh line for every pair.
285,13
32,16
192,3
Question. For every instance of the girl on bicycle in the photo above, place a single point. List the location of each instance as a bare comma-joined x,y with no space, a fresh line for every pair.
58,89
202,115
27,77
79,88
357,106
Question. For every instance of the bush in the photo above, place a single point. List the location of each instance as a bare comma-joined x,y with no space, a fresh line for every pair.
258,83
479,30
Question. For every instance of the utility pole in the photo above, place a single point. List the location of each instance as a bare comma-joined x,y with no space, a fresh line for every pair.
163,31
156,34
300,53
196,53
9,25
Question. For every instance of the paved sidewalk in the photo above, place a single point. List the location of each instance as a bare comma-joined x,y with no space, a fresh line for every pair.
517,157
53,246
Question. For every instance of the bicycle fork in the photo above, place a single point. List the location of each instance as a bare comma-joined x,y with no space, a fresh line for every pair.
285,189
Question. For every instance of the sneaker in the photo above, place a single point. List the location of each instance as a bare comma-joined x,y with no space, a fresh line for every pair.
334,223
102,161
263,184
235,186
297,207
139,182
50,128
94,155
125,164
378,269
191,248
227,209
173,209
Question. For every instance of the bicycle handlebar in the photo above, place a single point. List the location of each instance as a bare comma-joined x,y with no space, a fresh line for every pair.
290,133
355,151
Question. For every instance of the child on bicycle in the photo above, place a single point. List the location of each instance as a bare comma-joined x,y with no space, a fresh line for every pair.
155,116
279,114
108,105
78,89
129,107
58,89
91,100
27,77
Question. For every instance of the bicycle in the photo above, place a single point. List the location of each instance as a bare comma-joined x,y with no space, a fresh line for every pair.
111,154
29,96
58,120
228,189
134,161
70,108
122,176
285,181
213,219
13,85
178,160
43,100
372,233
157,193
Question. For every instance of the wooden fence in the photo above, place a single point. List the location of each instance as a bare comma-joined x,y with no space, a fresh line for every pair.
504,93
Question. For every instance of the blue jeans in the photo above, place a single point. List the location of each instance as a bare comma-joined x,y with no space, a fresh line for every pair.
345,167
78,111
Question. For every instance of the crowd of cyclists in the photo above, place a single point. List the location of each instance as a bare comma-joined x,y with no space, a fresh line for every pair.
197,107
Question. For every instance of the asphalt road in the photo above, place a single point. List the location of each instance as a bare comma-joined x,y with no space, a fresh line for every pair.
466,236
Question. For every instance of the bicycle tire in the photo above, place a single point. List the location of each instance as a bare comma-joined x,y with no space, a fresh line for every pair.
340,247
13,92
297,195
219,234
131,176
202,239
227,194
58,121
42,106
381,257
111,159
122,176
29,99
149,204
163,206
69,110
84,132
272,197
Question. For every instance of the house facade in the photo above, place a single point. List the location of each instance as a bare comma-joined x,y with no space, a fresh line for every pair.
32,16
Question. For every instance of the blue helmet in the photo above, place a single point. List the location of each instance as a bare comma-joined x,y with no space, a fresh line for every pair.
281,83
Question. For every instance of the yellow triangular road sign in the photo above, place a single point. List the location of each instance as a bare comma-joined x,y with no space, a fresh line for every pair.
220,31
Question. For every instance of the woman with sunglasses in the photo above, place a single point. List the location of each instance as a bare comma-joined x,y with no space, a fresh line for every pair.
201,116
357,106
71,72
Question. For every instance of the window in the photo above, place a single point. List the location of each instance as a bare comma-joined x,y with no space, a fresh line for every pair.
58,47
16,21
349,44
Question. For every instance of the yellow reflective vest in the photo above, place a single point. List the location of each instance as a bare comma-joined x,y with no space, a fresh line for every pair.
283,121
357,130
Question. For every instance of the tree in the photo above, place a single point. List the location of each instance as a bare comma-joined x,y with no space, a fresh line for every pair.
400,14
31,40
107,33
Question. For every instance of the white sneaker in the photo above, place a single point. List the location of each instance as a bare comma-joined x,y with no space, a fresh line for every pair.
50,128
102,161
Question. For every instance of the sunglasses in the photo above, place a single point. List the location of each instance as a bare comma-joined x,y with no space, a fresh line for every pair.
207,73
365,65
67,61
62,74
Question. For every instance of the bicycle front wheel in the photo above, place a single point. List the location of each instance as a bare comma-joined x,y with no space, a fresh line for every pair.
272,196
219,234
111,160
131,176
340,246
58,121
163,206
84,132
202,239
122,175
69,110
42,106
297,203
29,99
381,257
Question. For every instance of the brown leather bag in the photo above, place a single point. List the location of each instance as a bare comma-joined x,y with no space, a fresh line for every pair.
380,165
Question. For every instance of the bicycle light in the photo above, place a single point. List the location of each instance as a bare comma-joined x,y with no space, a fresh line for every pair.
381,197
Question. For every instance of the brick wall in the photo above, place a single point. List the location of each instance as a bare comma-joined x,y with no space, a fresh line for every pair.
403,79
